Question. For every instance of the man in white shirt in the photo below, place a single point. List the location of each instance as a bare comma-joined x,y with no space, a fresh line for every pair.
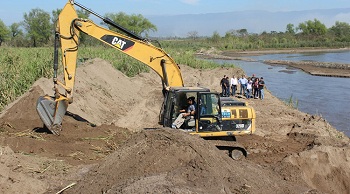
233,83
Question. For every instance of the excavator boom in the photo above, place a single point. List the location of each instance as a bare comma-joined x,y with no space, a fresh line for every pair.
51,109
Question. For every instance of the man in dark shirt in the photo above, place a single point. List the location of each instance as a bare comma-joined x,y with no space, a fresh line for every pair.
223,87
227,87
261,88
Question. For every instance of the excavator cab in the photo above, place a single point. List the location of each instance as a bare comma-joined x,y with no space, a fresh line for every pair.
207,117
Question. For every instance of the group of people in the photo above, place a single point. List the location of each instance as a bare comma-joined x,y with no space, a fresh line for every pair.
251,87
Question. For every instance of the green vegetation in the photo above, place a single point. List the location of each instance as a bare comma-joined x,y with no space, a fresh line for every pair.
309,34
338,36
292,103
38,27
21,67
135,23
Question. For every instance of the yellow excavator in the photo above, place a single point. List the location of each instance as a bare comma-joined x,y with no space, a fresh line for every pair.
209,120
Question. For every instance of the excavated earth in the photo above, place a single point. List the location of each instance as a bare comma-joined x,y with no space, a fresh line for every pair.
111,143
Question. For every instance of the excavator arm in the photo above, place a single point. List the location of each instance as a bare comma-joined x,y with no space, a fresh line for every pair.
51,109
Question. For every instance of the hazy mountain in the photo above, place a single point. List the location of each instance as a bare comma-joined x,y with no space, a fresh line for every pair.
253,21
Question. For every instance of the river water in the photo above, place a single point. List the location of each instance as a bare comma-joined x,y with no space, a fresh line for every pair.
325,96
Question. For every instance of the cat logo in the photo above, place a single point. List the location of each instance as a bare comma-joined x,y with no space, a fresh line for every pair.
121,43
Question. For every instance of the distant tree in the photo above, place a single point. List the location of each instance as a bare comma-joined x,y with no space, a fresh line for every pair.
16,30
290,29
215,37
82,13
193,35
314,27
341,30
17,35
230,39
4,32
55,14
264,33
253,38
243,32
239,33
38,26
134,23
229,34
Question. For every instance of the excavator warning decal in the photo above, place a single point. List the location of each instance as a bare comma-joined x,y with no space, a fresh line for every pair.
121,43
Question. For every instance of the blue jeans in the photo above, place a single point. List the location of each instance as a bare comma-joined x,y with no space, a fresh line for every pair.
243,88
234,88
261,91
248,94
256,93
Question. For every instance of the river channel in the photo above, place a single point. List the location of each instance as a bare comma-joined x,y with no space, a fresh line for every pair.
317,95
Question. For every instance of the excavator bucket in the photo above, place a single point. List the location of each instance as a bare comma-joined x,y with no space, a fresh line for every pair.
51,112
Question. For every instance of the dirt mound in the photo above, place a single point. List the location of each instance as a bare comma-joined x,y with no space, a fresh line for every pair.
22,130
171,161
13,171
291,152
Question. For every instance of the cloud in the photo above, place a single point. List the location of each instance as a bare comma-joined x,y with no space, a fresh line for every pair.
192,2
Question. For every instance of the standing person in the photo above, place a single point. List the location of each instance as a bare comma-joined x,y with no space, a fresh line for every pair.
261,88
249,88
234,83
243,85
203,107
185,113
256,88
227,87
223,87
253,80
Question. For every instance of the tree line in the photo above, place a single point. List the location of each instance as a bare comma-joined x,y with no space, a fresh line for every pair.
37,27
311,33
36,30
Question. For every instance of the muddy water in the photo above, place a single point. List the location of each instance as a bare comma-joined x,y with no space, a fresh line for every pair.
326,96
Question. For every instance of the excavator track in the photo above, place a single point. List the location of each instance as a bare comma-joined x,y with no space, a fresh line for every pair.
230,146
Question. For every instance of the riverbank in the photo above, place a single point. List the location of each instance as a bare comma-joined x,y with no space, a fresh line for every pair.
311,67
316,68
279,51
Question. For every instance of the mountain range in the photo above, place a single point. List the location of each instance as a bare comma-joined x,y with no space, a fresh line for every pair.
255,21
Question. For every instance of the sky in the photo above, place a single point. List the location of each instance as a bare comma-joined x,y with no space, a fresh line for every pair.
13,10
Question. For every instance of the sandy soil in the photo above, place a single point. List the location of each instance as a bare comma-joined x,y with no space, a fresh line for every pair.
291,152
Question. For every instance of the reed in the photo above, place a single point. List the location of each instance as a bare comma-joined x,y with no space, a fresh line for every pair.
20,68
292,102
